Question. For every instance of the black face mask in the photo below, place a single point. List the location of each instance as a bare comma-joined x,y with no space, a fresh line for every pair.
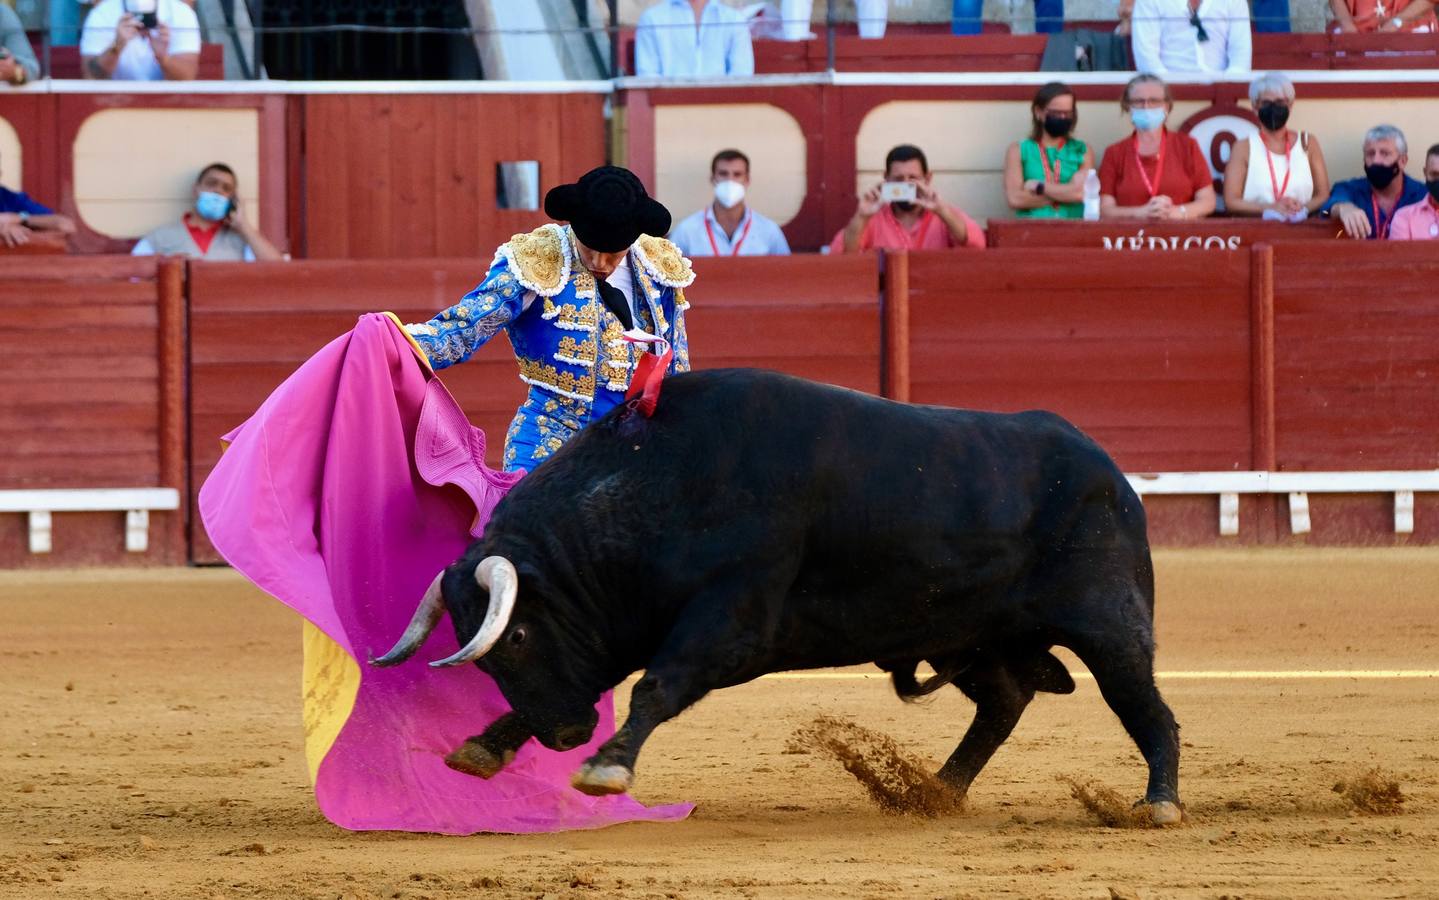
1433,187
1273,115
1057,126
1380,176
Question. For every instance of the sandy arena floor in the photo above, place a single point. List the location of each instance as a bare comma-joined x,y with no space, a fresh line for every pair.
152,748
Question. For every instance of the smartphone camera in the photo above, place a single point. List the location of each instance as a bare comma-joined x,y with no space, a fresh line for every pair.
898,192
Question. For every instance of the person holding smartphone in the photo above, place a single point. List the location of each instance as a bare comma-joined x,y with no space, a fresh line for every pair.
214,228
141,40
905,212
17,58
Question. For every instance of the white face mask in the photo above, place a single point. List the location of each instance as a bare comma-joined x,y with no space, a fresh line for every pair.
728,193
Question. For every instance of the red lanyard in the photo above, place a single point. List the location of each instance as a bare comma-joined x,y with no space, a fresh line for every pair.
734,248
1279,189
1151,186
1044,161
1382,225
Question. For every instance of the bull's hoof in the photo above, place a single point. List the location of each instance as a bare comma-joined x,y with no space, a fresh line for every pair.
1165,813
597,781
472,758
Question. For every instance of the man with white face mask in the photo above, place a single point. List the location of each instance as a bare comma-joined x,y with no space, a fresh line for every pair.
727,226
214,228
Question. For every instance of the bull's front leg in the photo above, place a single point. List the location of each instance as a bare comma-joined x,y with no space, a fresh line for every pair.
699,656
486,754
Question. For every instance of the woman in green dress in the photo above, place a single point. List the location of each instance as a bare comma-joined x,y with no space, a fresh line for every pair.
1044,173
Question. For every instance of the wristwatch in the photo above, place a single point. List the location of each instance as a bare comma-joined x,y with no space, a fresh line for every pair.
24,219
1039,189
1398,23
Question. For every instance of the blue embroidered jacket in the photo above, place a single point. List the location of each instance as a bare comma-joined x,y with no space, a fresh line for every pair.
568,344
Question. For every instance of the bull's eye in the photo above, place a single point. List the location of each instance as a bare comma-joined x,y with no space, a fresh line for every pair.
518,636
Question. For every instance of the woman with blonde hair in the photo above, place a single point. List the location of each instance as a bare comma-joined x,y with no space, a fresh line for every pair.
1154,173
1277,173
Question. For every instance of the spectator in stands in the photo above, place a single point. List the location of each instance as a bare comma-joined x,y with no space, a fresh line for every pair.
1154,173
1191,37
17,58
693,39
727,226
19,215
1420,221
1044,173
966,16
214,228
1292,180
1363,16
924,223
121,45
1367,206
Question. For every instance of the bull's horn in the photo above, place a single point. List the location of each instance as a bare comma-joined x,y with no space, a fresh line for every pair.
498,576
432,607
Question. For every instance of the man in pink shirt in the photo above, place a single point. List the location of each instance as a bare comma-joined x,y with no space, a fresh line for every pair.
1420,221
926,223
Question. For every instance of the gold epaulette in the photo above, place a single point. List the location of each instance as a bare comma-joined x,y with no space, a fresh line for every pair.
539,260
664,262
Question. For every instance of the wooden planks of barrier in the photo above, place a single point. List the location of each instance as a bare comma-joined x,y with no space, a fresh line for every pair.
93,380
1149,353
1219,233
1356,356
811,316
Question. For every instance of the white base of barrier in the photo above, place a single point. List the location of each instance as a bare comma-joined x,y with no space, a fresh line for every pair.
136,503
1298,485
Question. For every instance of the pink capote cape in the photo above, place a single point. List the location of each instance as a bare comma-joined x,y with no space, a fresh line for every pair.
356,481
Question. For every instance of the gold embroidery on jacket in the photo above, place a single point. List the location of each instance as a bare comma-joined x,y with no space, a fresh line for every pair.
540,259
534,372
664,261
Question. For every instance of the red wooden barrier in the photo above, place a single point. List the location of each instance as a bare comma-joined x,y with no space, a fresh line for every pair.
92,373
1149,353
1357,356
413,176
811,316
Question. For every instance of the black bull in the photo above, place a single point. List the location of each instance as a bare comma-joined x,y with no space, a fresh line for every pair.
759,523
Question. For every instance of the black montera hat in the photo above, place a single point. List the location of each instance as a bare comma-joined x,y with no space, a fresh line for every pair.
608,208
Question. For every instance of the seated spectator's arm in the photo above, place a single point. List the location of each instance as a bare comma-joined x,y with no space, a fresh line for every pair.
1145,30
1126,16
1202,205
12,233
741,52
1342,16
1072,191
258,244
1235,174
1241,42
1157,208
179,65
100,52
52,222
1018,192
1320,171
864,211
647,50
1415,10
18,64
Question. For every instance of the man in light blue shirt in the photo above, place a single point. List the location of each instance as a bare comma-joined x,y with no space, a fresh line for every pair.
692,39
728,227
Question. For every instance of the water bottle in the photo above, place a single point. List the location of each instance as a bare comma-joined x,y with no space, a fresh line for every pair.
1091,196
